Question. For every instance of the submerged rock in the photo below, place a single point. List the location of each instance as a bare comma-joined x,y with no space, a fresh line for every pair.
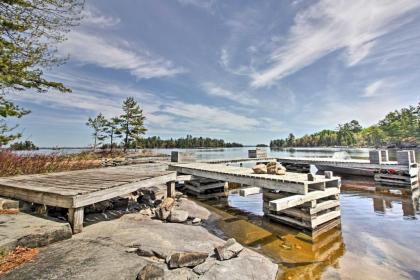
260,169
178,216
187,259
151,272
229,250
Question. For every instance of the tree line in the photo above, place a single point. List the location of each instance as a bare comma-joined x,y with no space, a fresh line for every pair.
187,142
398,128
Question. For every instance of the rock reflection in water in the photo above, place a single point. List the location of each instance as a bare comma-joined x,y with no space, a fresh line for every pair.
301,255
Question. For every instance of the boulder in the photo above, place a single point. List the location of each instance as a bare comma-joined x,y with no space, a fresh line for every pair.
151,272
196,221
187,259
271,163
272,169
260,169
162,214
229,250
178,216
280,172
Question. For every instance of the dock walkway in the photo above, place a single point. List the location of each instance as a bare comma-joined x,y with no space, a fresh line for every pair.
76,189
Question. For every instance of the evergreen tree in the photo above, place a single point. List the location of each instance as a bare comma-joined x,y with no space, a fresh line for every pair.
131,123
29,32
98,124
8,109
112,131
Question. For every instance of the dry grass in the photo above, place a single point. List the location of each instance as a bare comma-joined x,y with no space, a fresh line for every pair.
9,211
16,258
12,164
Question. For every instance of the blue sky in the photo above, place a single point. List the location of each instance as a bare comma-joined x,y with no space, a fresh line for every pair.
246,71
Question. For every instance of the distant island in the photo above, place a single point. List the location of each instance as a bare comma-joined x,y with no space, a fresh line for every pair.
400,128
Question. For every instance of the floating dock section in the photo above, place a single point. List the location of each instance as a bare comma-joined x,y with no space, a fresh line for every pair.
402,173
297,199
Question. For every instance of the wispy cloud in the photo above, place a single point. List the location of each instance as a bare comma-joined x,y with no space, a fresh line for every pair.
204,4
239,97
329,26
93,16
374,88
107,53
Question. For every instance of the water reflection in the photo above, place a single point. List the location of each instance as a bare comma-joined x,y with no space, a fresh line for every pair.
301,255
376,239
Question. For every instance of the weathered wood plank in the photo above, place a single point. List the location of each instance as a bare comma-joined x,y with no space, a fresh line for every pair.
76,216
295,200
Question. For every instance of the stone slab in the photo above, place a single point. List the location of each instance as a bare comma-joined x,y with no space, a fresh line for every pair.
26,230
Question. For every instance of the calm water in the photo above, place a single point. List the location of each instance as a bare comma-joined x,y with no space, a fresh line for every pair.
378,236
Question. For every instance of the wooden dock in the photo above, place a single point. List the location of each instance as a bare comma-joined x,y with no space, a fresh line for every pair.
76,189
291,198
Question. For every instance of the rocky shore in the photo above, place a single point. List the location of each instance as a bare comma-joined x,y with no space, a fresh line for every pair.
163,239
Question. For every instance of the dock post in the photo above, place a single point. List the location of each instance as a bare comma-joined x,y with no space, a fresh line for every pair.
75,216
170,188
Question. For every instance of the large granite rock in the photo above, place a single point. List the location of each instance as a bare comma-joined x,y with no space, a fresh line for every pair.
26,230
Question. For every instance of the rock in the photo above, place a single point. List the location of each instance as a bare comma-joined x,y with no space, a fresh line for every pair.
145,252
279,166
187,259
196,221
204,267
146,200
271,163
98,207
6,203
272,169
260,169
194,210
167,203
281,172
155,193
180,274
151,272
229,250
178,216
146,212
162,214
131,250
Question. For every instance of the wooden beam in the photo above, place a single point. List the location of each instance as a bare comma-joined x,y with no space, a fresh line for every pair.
295,200
249,191
170,189
75,216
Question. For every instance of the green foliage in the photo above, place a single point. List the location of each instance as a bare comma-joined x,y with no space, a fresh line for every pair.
112,131
99,126
397,128
30,30
8,109
187,142
23,146
131,123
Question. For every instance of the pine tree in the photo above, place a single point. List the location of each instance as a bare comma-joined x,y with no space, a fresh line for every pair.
98,124
112,131
131,123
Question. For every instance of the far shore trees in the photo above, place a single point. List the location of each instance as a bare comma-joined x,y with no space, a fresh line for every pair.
29,33
398,128
98,124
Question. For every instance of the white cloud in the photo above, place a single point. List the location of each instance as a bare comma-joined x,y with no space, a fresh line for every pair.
374,88
332,25
204,4
211,117
93,16
239,97
88,48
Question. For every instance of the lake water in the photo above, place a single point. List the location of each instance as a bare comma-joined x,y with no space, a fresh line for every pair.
378,238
